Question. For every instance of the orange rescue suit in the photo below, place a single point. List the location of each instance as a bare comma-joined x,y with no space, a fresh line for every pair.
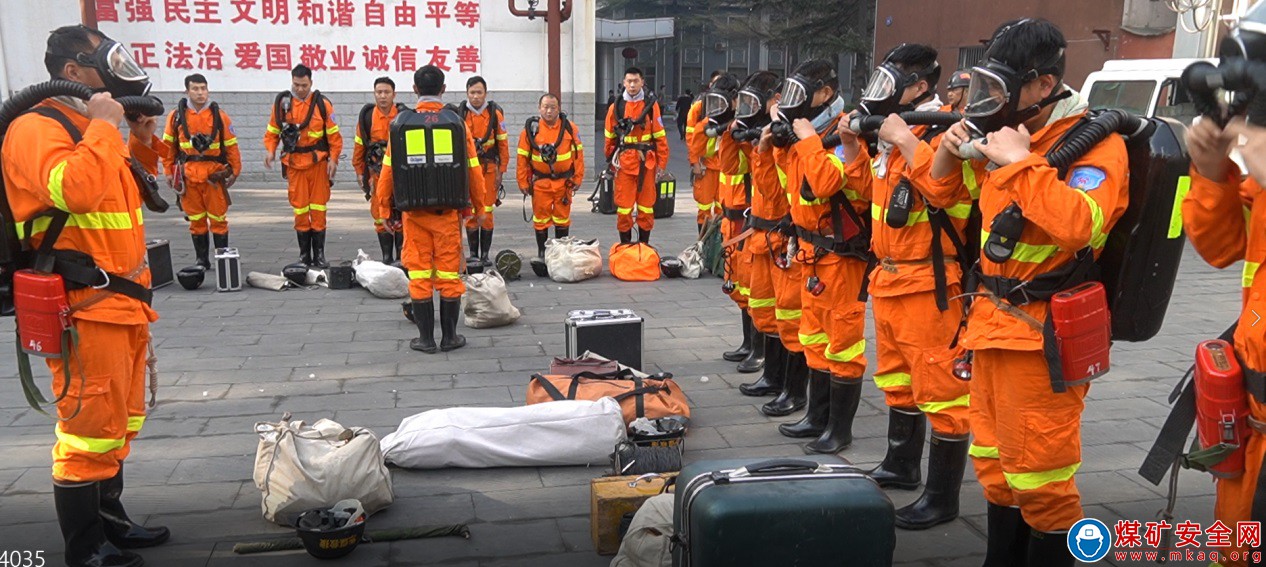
306,171
769,201
702,149
913,360
499,145
44,169
1026,442
645,152
551,198
733,186
379,131
432,252
1226,222
202,200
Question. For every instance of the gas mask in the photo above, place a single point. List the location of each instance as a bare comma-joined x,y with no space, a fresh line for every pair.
888,84
1239,79
750,114
993,99
119,72
797,96
717,107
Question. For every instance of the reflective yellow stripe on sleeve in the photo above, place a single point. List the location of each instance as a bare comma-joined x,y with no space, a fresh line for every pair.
1029,253
1097,236
134,423
273,129
55,189
1250,273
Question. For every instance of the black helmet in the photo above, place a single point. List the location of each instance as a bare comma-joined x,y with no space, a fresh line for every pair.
191,277
328,533
296,273
961,79
509,264
540,268
671,266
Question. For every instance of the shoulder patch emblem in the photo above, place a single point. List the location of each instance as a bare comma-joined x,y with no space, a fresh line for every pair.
1086,178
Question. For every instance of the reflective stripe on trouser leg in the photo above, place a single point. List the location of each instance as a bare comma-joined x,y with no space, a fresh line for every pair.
788,287
379,225
492,177
1038,436
845,317
195,207
892,370
445,238
923,334
625,188
646,198
813,333
217,209
416,255
739,265
319,196
304,190
705,194
984,443
761,303
91,446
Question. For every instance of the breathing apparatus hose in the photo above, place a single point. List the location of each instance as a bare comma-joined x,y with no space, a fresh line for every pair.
23,101
1007,226
871,123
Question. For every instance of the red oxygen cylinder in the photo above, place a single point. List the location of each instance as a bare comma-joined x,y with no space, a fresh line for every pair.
1083,330
43,313
1221,405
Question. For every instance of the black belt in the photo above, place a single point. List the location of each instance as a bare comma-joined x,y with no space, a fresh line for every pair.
734,215
857,247
1042,287
638,147
571,171
769,225
220,159
80,271
322,146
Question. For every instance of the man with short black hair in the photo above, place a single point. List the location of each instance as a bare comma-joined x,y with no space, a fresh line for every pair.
302,124
637,148
203,161
372,128
432,253
486,123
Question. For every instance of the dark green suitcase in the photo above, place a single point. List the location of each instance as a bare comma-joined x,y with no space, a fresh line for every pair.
808,512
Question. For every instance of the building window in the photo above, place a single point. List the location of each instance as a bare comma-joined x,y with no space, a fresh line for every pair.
738,57
777,58
969,56
692,57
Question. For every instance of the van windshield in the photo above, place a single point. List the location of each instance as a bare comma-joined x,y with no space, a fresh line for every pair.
1133,96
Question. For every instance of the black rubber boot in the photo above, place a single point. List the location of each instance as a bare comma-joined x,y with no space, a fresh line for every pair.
472,239
907,427
408,310
562,231
1050,549
119,529
305,246
541,237
744,349
79,515
626,237
770,382
1008,537
318,250
846,394
755,361
818,411
792,397
424,318
644,236
939,502
449,310
387,243
485,244
201,249
220,240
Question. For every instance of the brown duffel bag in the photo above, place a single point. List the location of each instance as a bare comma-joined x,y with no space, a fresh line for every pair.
573,366
653,397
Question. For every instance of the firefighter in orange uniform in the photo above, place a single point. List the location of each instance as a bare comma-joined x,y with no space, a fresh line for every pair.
915,288
1225,218
432,253
1026,442
201,142
66,159
748,115
302,125
372,127
637,147
486,123
705,174
833,251
551,165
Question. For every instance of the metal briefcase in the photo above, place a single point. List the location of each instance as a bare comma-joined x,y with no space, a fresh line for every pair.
802,511
228,270
613,333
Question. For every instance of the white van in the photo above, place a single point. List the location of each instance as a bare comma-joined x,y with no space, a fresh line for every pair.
1149,87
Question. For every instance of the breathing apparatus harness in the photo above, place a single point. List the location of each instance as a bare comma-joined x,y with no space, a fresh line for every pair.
486,151
290,132
623,127
375,150
200,143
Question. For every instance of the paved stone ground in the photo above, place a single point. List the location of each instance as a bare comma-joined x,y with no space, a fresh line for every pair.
229,360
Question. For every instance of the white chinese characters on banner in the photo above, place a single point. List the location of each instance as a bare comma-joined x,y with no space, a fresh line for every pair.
243,45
